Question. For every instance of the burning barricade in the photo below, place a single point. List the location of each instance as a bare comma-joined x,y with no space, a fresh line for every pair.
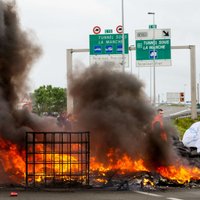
121,150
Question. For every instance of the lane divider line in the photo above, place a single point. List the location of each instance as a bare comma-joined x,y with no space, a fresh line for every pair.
149,194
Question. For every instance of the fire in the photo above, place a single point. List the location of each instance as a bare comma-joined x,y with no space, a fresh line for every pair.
181,174
13,162
61,163
123,164
65,168
147,181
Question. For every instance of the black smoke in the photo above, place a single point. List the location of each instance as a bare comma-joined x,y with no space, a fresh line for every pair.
115,109
110,104
18,51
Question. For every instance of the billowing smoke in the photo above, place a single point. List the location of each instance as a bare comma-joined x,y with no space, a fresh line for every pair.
18,52
114,108
110,104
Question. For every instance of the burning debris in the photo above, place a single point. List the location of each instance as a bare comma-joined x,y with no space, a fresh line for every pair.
114,107
111,105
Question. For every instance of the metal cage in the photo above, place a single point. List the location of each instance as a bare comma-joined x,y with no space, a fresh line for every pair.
57,159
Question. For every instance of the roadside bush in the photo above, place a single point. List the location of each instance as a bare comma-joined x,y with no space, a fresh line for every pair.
182,124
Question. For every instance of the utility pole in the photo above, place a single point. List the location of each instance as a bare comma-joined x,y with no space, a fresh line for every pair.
154,61
2,23
123,49
198,93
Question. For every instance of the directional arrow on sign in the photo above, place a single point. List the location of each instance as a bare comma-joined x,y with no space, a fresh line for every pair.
165,33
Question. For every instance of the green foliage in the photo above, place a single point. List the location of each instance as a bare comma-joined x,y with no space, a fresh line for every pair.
182,124
49,99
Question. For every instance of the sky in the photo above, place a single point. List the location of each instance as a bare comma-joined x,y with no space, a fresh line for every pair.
64,24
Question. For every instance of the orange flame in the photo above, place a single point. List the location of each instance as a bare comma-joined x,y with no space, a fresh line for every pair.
123,164
13,162
181,174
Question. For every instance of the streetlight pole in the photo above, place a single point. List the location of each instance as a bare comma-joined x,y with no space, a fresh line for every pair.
185,85
123,56
2,25
154,54
198,93
198,90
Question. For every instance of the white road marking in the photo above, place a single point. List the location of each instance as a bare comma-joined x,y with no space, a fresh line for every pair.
157,195
150,194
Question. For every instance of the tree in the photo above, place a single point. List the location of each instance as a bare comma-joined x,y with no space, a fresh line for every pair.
49,99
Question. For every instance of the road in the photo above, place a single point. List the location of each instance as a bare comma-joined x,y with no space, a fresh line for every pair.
175,194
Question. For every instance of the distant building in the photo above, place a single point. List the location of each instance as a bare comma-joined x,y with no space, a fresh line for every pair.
175,97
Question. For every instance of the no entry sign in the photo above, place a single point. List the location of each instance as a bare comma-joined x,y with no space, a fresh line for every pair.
119,29
96,30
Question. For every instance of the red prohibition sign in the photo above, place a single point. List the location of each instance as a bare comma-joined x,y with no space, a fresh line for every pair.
119,29
96,30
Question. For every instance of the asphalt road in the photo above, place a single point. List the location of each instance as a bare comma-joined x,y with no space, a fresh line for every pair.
175,194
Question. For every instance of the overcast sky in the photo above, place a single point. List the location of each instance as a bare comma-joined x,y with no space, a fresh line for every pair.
65,24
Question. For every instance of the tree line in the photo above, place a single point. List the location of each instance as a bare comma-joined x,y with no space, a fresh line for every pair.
49,100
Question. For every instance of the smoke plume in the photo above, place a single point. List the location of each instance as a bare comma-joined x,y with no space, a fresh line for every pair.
110,104
114,108
18,52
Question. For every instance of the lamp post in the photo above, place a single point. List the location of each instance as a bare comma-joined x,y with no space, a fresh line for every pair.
185,85
198,97
2,24
154,54
198,93
123,56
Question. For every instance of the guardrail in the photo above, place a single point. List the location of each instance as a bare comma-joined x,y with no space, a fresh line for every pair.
183,114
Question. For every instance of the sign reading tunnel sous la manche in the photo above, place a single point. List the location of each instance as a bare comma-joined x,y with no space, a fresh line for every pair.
150,44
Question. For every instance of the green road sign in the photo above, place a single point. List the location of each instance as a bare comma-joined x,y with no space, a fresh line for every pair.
151,26
107,44
108,31
153,45
145,49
